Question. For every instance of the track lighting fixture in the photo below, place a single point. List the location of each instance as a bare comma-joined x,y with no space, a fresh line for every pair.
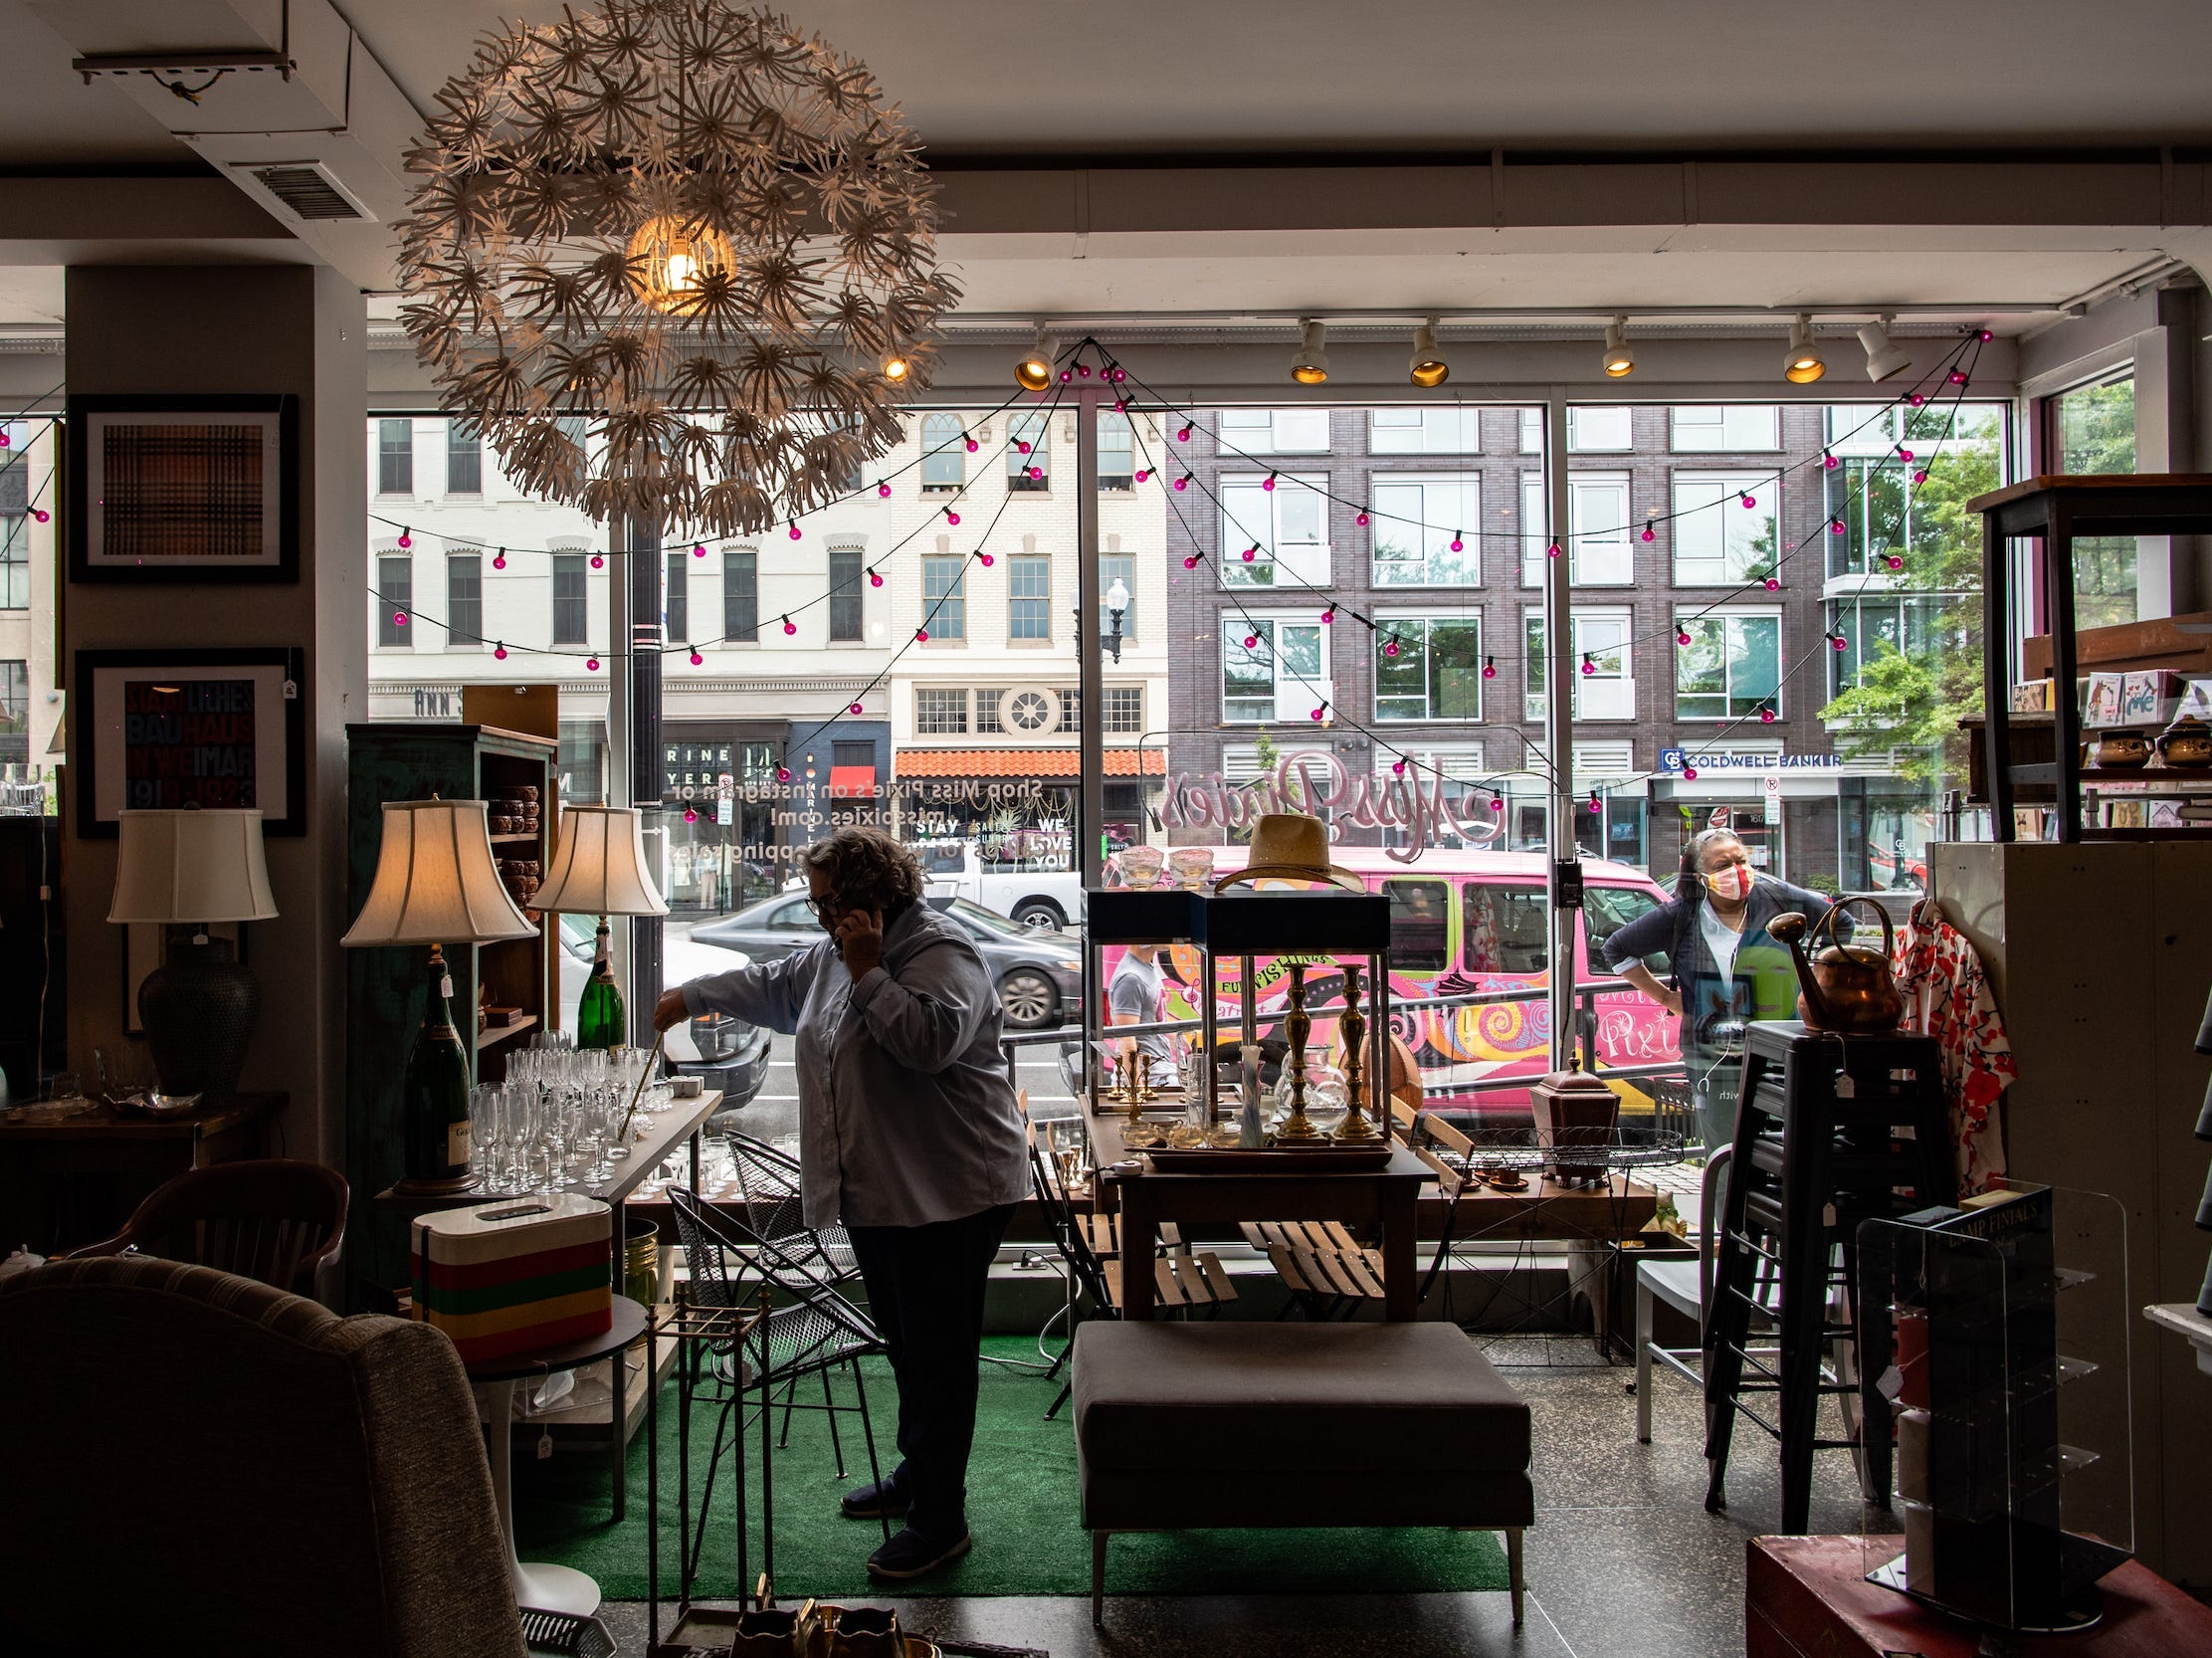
1426,368
1619,361
1802,363
1034,371
1310,367
1883,358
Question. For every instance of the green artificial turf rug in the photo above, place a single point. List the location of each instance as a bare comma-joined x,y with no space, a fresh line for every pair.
1022,1512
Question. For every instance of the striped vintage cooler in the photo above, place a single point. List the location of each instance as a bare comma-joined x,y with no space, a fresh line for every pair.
506,1277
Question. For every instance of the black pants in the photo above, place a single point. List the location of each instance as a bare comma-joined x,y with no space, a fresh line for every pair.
926,1290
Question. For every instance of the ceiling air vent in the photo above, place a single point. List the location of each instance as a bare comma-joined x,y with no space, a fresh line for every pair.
306,190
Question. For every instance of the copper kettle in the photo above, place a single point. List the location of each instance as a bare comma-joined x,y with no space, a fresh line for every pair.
1847,988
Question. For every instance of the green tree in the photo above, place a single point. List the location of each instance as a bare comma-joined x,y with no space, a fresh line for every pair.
1913,701
2097,433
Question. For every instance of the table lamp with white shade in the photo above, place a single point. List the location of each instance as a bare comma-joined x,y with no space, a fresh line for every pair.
184,869
598,869
436,885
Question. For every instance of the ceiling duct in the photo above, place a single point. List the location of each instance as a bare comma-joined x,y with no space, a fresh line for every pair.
308,190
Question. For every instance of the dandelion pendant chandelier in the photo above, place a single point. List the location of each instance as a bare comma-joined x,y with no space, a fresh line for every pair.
685,228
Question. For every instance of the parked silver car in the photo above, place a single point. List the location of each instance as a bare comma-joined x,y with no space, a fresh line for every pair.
1039,974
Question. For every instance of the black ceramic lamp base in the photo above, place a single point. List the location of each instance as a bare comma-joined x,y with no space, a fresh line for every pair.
199,1009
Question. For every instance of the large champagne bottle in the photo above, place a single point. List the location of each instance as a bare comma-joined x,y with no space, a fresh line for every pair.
599,1017
434,1100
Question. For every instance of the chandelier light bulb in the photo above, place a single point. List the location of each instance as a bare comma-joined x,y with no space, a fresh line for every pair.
1427,369
897,368
1034,371
1884,359
1310,366
1617,360
1802,363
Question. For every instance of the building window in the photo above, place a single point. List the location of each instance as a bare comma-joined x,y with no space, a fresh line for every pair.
2093,429
395,456
570,617
1597,428
1712,428
463,459
15,562
1454,429
1600,552
1272,431
944,454
396,599
1071,708
15,712
1532,431
1535,528
1029,598
941,712
1124,708
740,595
1874,500
1034,430
1867,624
1415,520
1437,671
1117,452
1285,526
1120,566
1731,667
676,598
944,605
986,709
1718,541
853,751
1028,711
1607,691
465,598
583,762
845,596
1282,674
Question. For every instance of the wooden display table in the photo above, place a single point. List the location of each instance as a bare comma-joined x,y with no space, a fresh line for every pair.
1808,1595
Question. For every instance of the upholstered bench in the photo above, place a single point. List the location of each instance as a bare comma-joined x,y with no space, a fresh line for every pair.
1201,1425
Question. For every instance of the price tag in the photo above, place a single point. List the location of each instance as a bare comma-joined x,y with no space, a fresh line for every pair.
445,986
1846,1089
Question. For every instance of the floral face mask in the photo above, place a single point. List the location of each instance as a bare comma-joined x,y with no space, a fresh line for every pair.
1734,882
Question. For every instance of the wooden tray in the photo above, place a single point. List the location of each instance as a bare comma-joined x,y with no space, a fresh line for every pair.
1321,1159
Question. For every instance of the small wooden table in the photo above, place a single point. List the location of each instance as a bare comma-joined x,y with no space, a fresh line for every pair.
133,1150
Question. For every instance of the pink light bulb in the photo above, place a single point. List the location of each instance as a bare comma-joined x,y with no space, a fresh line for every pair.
1269,484
1251,640
973,446
794,533
1250,553
597,561
1458,546
1084,369
884,490
1021,446
1689,772
1766,716
1773,584
5,441
1959,376
1841,643
591,664
1143,475
789,626
1917,399
498,559
1328,616
1589,666
784,775
499,653
1650,534
1750,502
1920,475
1317,714
1035,472
1400,767
1835,527
875,579
1985,336
1390,649
1552,551
1490,669
1682,636
399,618
698,550
1190,561
1066,377
1120,405
922,636
41,513
985,559
1119,374
950,517
853,709
696,658
1497,803
1904,454
689,816
406,539
1183,482
1183,435
1359,517
1829,462
1894,562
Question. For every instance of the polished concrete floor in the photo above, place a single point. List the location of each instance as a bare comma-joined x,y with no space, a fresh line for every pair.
1624,1561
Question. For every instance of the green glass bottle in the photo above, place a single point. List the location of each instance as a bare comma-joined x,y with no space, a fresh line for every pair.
434,1099
599,1016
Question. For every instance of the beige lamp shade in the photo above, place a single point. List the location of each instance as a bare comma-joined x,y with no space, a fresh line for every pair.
598,866
435,880
192,865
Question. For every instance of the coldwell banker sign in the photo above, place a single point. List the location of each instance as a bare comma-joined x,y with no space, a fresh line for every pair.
1679,762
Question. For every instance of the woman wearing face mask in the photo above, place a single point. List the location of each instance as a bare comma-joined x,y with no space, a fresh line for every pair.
1726,969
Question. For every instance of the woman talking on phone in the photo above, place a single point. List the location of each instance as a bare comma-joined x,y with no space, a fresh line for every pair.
910,1132
1726,970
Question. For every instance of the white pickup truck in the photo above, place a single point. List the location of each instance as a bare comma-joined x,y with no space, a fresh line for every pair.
1037,891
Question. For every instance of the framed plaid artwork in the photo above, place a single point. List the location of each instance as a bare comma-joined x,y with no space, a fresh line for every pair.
165,729
183,489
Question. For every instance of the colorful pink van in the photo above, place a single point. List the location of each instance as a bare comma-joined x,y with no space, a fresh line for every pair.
1460,923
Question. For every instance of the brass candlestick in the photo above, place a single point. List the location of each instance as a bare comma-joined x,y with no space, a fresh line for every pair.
1355,1029
1296,1024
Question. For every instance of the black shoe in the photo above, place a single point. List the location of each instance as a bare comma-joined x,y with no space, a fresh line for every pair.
911,1554
871,1502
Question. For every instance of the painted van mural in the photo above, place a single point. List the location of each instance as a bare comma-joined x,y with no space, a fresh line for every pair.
1460,923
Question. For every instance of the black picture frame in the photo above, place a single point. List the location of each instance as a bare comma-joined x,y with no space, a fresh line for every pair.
97,737
92,498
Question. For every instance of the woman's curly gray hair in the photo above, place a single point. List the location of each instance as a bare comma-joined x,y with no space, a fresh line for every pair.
867,869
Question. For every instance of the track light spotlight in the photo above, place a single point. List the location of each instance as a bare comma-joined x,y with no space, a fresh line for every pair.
1619,361
1883,358
1426,367
1310,367
1802,363
1034,371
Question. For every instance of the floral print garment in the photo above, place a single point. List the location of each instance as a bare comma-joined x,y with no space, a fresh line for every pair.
1948,997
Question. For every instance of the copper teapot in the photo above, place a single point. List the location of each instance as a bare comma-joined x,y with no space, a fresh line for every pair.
1847,988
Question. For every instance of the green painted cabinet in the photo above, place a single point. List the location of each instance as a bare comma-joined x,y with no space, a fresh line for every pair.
410,760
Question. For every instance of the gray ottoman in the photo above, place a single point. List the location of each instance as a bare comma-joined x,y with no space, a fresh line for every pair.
1188,1426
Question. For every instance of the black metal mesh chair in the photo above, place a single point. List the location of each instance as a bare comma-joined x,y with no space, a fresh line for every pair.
810,1331
768,1181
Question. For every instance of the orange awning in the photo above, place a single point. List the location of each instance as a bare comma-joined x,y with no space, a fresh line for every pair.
852,782
1023,762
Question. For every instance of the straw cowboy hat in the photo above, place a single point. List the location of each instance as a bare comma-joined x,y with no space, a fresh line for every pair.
1290,846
